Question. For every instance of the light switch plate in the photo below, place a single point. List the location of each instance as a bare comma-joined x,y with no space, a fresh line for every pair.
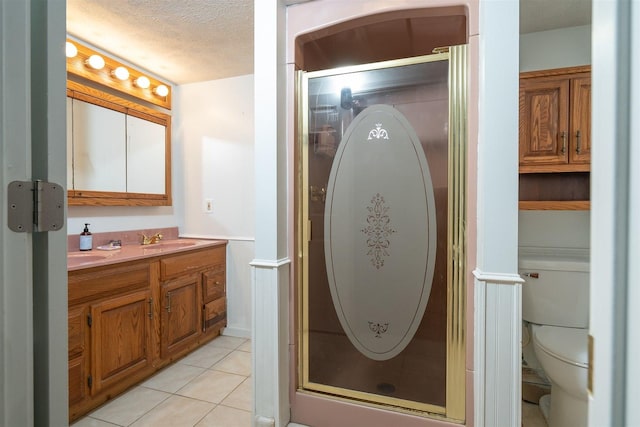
208,205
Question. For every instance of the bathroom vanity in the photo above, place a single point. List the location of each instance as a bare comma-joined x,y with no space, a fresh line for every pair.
136,309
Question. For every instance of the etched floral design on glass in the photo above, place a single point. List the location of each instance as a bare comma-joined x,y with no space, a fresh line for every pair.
378,230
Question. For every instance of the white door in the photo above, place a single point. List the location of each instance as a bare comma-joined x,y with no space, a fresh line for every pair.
33,307
615,214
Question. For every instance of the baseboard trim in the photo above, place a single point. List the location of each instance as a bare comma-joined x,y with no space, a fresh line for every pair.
236,332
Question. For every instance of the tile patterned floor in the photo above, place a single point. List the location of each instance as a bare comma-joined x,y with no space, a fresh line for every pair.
210,387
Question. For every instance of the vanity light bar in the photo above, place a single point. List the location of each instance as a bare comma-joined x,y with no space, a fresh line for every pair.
92,65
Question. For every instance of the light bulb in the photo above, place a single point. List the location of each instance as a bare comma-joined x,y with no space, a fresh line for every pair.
121,73
71,50
162,90
143,82
96,62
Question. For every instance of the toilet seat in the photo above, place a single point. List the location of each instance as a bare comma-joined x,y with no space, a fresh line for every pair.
566,344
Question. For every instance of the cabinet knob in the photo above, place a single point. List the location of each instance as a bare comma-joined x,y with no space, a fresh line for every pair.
578,148
563,135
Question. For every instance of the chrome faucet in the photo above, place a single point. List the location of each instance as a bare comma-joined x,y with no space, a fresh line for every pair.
149,240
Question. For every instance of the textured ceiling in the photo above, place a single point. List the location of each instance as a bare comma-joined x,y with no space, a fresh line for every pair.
542,15
182,41
187,41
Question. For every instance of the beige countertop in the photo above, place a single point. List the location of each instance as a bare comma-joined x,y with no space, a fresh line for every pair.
77,260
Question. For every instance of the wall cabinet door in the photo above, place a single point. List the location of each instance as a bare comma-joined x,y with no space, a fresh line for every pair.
580,121
544,120
146,149
181,315
99,151
121,338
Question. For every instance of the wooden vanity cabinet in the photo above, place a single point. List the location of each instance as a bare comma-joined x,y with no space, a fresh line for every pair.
190,282
128,320
110,332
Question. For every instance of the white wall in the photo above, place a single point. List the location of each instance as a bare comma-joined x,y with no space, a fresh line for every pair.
119,218
565,47
215,126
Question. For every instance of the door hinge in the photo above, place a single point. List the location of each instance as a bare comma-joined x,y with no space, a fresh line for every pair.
35,206
90,381
89,320
590,349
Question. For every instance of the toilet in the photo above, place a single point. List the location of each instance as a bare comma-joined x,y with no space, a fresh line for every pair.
555,304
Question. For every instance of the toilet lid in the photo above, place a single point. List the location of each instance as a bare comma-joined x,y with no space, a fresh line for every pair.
566,344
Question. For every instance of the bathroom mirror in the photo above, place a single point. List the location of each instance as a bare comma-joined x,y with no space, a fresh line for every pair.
118,151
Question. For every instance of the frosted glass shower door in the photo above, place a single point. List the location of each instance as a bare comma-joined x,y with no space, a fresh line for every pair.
376,234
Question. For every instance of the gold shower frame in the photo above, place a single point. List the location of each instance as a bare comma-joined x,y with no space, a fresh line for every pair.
454,409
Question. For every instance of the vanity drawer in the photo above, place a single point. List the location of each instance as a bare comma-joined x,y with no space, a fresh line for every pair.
178,265
100,282
213,285
214,312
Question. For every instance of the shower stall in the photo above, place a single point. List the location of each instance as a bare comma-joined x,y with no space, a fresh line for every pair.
381,233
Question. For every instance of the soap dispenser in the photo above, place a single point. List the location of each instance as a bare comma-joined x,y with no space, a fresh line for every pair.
86,239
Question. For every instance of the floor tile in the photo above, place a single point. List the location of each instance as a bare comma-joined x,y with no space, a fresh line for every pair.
130,406
246,346
241,397
223,416
176,411
532,416
238,362
211,386
227,342
205,356
173,377
92,422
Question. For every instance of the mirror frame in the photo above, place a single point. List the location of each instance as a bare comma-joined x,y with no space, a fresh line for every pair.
77,197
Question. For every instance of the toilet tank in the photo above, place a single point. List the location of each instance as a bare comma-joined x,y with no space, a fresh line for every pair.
556,288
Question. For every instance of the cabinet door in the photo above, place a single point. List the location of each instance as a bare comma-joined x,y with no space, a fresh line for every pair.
544,116
78,355
146,147
121,338
99,157
580,120
181,316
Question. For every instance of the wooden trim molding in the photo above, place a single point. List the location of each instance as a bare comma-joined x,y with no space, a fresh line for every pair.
555,72
559,205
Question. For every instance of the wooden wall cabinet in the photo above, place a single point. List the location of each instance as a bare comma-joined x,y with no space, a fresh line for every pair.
555,120
555,138
128,320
